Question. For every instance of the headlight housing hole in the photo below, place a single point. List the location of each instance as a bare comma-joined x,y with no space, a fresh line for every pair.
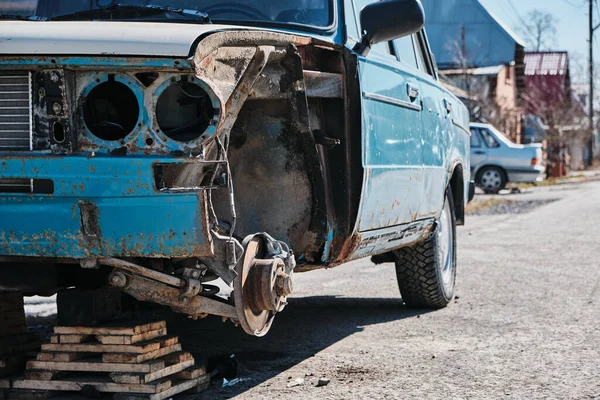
111,111
184,111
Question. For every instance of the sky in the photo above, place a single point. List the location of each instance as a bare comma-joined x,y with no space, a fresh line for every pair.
572,15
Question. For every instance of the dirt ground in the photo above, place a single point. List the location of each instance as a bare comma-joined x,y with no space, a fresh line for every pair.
525,323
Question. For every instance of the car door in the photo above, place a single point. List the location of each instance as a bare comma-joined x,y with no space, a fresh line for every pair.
479,153
391,136
437,131
494,152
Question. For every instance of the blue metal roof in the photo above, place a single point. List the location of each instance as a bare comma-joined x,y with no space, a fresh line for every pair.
488,41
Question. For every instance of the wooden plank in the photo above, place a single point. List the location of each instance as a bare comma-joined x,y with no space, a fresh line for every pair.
176,389
62,357
138,348
138,358
44,375
152,376
179,357
190,373
98,366
100,384
142,337
118,330
24,394
70,339
203,384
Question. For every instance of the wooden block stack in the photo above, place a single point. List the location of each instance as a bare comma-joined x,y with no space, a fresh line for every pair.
132,362
16,344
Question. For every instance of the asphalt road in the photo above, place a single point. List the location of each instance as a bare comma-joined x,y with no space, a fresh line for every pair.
525,323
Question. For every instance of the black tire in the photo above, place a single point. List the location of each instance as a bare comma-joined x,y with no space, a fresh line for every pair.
491,179
419,270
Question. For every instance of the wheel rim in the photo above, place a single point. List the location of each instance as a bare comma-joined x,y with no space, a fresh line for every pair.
445,240
491,180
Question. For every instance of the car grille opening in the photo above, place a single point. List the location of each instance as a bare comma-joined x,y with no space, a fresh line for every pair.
15,110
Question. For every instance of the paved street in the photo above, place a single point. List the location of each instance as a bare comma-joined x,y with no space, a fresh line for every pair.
525,323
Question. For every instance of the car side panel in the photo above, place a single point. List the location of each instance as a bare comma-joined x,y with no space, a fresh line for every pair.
392,153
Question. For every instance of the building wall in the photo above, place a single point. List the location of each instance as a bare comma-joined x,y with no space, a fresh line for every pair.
507,101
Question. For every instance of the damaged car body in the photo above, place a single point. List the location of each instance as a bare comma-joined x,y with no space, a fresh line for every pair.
158,149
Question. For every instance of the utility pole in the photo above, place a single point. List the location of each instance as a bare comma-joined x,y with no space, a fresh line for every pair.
591,67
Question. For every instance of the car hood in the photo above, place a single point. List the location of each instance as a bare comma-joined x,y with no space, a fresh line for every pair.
102,38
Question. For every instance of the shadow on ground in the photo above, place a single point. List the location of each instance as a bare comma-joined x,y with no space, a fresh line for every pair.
307,326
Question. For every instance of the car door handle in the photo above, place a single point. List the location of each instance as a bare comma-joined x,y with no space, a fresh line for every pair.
479,152
448,106
413,92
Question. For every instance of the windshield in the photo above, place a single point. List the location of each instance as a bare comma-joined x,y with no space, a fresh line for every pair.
316,13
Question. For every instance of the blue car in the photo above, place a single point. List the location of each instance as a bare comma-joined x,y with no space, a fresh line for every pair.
198,154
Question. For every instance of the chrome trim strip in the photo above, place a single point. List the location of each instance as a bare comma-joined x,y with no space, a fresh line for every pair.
459,125
391,100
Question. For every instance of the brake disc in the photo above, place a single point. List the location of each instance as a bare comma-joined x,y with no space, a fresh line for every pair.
260,288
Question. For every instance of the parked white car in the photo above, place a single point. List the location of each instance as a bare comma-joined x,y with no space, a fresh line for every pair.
495,160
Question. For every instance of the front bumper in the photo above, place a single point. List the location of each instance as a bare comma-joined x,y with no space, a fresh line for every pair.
100,207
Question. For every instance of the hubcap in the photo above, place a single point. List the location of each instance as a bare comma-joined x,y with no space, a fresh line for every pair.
491,180
445,253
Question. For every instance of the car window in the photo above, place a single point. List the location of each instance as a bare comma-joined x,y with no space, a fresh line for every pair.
383,50
421,50
475,141
488,138
405,51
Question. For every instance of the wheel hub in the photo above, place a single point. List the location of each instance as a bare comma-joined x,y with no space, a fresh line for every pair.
261,288
491,180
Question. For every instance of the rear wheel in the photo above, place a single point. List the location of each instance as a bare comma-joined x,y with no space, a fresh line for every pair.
426,272
491,180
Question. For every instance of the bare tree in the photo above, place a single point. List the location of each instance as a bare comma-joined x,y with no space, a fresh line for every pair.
539,29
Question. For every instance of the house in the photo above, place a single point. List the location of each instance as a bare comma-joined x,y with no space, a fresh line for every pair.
549,95
481,56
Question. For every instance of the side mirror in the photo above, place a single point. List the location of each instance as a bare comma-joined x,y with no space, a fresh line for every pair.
388,20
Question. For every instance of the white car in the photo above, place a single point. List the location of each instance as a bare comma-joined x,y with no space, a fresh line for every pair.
495,160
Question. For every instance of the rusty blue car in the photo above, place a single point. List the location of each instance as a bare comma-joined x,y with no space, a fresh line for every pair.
198,154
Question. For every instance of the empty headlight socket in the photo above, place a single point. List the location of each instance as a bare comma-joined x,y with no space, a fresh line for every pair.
187,111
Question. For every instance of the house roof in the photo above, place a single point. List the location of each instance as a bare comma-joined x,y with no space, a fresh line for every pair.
546,63
453,25
512,34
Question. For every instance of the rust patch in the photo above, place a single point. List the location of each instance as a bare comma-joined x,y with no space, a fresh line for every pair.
351,245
